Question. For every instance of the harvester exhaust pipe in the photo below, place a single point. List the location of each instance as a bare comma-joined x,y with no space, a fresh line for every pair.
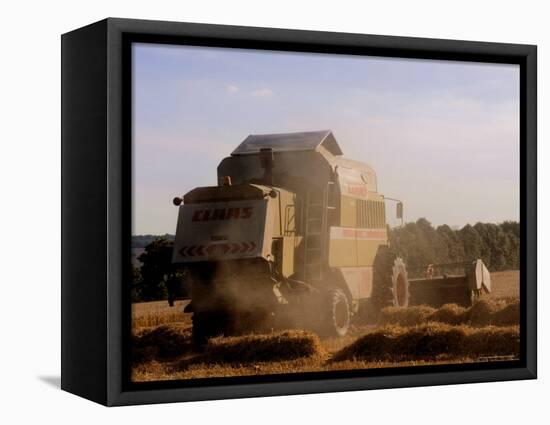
266,162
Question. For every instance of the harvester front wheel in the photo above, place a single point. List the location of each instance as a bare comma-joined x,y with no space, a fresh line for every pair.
339,315
205,326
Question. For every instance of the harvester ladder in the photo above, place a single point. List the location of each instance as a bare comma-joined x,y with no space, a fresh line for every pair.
315,234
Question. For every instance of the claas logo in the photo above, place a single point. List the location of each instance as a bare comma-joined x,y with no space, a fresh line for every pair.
222,214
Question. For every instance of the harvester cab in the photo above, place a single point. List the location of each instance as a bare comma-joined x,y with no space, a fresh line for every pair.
294,234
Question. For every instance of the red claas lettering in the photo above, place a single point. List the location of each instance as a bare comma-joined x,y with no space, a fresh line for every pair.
197,215
232,213
222,214
246,212
218,214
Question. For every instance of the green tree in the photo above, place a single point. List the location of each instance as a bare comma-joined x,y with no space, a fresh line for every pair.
420,244
156,264
510,227
453,243
472,242
135,286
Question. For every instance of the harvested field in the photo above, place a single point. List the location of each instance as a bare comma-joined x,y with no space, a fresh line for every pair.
162,348
277,346
406,316
488,311
157,313
505,284
452,314
161,342
508,315
155,371
432,341
482,312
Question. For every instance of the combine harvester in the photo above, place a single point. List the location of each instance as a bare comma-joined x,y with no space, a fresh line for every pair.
296,234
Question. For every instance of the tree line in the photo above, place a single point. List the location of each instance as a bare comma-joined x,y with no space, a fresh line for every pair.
141,241
418,243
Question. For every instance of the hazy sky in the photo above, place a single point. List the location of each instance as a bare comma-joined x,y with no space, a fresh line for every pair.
442,136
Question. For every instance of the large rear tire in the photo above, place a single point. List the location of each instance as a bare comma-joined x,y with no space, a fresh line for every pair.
338,315
390,280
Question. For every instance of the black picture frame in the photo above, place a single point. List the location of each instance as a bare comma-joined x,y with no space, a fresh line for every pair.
96,181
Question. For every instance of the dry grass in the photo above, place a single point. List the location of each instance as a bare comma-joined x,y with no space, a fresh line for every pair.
505,284
158,313
175,340
278,346
485,312
158,371
432,341
279,352
163,350
451,314
406,316
297,351
495,311
507,316
164,341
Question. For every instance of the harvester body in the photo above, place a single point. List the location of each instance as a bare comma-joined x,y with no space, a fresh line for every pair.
292,226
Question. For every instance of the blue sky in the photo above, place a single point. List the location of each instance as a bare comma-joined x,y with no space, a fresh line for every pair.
442,136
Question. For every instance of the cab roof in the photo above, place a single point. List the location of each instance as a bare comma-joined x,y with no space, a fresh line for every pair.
287,142
322,146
